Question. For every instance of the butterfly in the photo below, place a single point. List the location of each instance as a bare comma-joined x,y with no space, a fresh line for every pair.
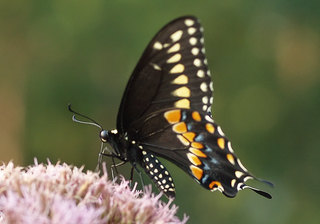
166,111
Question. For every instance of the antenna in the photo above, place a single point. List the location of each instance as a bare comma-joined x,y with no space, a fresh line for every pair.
102,137
93,122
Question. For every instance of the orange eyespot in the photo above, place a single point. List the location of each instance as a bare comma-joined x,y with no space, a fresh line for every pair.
215,184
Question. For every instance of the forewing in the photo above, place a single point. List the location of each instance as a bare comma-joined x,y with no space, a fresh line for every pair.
172,73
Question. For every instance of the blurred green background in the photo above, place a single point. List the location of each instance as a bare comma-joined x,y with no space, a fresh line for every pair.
265,61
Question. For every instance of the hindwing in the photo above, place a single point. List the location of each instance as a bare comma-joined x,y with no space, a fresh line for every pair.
194,142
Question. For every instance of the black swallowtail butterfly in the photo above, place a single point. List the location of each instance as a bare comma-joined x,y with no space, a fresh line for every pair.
166,112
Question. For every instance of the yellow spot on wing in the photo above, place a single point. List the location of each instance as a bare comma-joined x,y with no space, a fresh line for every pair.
196,116
173,116
196,171
176,36
181,92
174,48
174,58
179,68
180,80
184,103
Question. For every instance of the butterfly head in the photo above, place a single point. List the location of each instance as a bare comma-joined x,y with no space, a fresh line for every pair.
104,136
108,136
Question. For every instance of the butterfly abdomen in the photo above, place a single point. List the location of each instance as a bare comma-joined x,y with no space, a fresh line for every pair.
158,174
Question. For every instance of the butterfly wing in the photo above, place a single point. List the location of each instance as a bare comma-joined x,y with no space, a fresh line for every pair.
194,142
166,111
172,72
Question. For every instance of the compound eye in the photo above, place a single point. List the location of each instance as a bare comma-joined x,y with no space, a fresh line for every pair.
104,136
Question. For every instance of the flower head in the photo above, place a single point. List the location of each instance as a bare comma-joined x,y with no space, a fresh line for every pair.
64,194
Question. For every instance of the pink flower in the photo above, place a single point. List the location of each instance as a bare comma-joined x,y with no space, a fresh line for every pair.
64,194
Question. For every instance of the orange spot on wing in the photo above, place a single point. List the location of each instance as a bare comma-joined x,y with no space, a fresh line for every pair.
180,127
197,145
173,116
189,135
183,140
210,128
194,159
196,171
197,152
196,116
230,158
215,184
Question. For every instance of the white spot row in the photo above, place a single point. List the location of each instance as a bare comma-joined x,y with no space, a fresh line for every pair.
191,30
200,73
205,100
204,107
193,41
195,51
230,147
189,22
220,131
197,62
204,87
209,119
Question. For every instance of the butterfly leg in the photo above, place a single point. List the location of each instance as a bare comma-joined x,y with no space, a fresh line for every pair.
114,167
140,175
101,154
